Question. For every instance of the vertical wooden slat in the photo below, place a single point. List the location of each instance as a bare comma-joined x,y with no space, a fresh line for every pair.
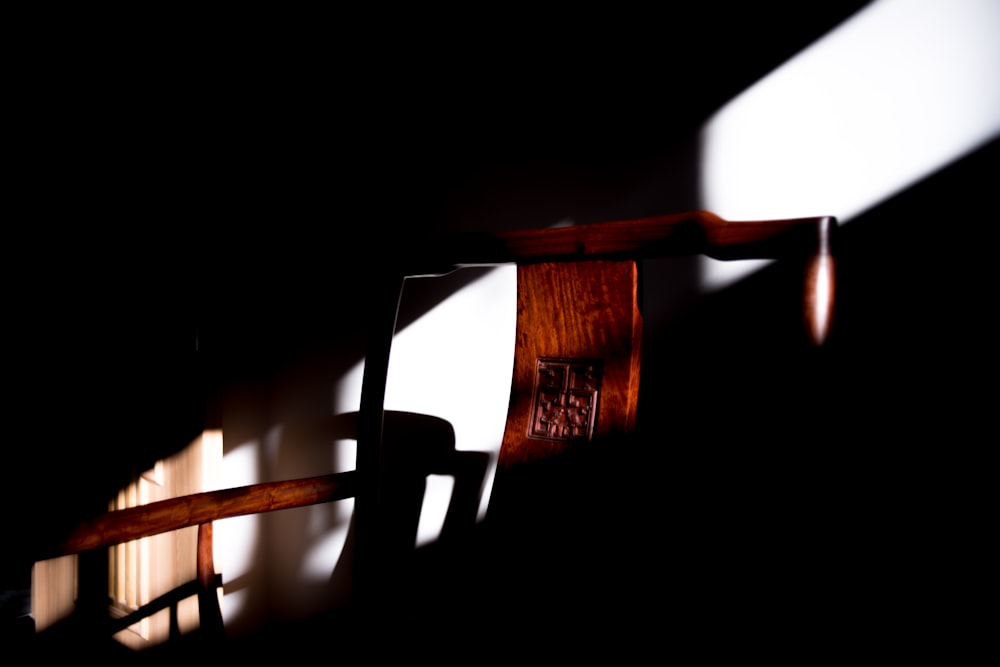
131,560
209,611
371,571
119,549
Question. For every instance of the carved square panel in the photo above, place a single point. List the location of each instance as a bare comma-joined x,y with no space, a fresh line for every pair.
564,399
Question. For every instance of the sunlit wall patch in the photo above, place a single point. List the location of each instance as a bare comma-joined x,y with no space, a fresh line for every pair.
895,93
454,362
236,539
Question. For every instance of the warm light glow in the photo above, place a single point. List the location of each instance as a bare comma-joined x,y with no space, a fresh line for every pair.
211,455
819,298
898,91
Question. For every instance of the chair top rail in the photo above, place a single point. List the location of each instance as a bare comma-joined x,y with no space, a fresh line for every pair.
690,233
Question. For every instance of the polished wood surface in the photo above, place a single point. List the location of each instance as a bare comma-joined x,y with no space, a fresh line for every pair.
691,233
199,508
820,284
679,234
574,311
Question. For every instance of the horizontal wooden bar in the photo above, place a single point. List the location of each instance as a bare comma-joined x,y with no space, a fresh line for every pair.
198,508
695,232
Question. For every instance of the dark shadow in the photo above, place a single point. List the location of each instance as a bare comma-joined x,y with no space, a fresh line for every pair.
90,628
416,446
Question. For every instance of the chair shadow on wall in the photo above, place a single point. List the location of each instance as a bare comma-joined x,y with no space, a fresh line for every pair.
415,446
89,630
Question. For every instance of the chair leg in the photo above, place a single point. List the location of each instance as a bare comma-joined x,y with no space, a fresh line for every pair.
209,611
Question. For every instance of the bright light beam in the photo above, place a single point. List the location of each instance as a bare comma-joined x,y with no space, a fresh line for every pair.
897,92
455,363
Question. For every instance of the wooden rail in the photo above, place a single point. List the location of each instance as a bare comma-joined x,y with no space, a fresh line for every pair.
691,233
201,508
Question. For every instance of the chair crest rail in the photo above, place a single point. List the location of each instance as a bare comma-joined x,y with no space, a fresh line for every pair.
696,232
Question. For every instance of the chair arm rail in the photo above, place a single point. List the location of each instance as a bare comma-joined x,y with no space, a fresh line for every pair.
163,516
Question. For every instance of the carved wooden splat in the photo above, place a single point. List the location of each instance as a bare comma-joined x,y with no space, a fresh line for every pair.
576,359
564,400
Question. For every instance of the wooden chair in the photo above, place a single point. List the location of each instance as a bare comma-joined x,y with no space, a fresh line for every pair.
575,390
575,384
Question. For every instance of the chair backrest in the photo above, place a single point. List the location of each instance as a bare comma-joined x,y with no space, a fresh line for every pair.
578,338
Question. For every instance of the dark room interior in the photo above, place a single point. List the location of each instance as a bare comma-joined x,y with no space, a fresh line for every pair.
201,205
